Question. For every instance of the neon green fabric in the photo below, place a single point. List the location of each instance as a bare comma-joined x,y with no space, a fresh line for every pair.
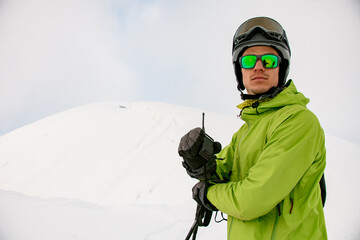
275,162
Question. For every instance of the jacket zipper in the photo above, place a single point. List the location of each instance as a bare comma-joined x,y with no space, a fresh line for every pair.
247,131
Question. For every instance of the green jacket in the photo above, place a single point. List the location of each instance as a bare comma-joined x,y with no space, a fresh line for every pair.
274,163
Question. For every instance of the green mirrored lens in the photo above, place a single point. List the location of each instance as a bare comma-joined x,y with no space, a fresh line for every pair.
269,61
248,61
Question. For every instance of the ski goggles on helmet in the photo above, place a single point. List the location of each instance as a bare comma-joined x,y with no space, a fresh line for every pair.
267,60
268,27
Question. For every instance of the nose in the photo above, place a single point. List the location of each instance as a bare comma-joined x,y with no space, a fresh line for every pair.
259,66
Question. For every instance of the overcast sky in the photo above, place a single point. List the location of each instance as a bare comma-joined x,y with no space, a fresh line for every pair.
59,54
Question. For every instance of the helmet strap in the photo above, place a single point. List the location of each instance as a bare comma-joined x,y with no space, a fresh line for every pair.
273,92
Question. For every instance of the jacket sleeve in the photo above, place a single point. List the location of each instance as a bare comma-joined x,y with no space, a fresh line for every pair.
225,159
289,151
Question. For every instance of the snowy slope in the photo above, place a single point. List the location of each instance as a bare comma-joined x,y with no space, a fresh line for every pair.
113,166
31,218
105,153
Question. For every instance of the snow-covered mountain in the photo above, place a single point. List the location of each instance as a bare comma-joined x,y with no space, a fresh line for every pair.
106,153
118,160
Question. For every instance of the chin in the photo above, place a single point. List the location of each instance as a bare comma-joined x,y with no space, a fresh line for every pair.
258,91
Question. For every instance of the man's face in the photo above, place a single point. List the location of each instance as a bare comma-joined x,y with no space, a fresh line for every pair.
259,79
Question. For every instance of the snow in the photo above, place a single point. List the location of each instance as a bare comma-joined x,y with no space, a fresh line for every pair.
26,217
111,171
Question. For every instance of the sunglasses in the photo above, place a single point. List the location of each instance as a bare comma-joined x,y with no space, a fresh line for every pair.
267,60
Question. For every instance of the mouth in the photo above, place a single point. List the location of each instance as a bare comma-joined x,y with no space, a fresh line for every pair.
259,77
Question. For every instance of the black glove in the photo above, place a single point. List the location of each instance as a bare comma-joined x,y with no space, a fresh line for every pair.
198,149
199,195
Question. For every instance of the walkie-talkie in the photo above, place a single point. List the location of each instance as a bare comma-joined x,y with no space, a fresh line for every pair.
207,149
203,215
209,146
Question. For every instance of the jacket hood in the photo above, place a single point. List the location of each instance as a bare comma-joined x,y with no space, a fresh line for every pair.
289,96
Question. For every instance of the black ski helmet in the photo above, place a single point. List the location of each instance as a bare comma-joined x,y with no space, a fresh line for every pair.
261,31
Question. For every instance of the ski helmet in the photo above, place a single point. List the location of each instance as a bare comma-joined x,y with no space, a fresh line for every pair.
261,31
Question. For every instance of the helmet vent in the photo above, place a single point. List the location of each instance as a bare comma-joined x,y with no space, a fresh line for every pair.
278,36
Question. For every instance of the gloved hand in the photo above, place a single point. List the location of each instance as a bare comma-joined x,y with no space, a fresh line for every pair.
199,195
198,149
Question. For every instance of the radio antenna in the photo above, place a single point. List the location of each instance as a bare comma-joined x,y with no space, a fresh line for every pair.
203,120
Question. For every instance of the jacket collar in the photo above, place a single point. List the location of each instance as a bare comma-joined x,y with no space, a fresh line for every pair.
288,96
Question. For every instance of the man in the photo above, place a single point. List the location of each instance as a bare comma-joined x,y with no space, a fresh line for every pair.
273,164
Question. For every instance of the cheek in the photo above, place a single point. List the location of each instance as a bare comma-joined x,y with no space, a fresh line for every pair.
245,75
275,75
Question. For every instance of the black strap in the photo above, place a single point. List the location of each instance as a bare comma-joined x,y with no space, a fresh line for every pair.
273,92
202,219
202,215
